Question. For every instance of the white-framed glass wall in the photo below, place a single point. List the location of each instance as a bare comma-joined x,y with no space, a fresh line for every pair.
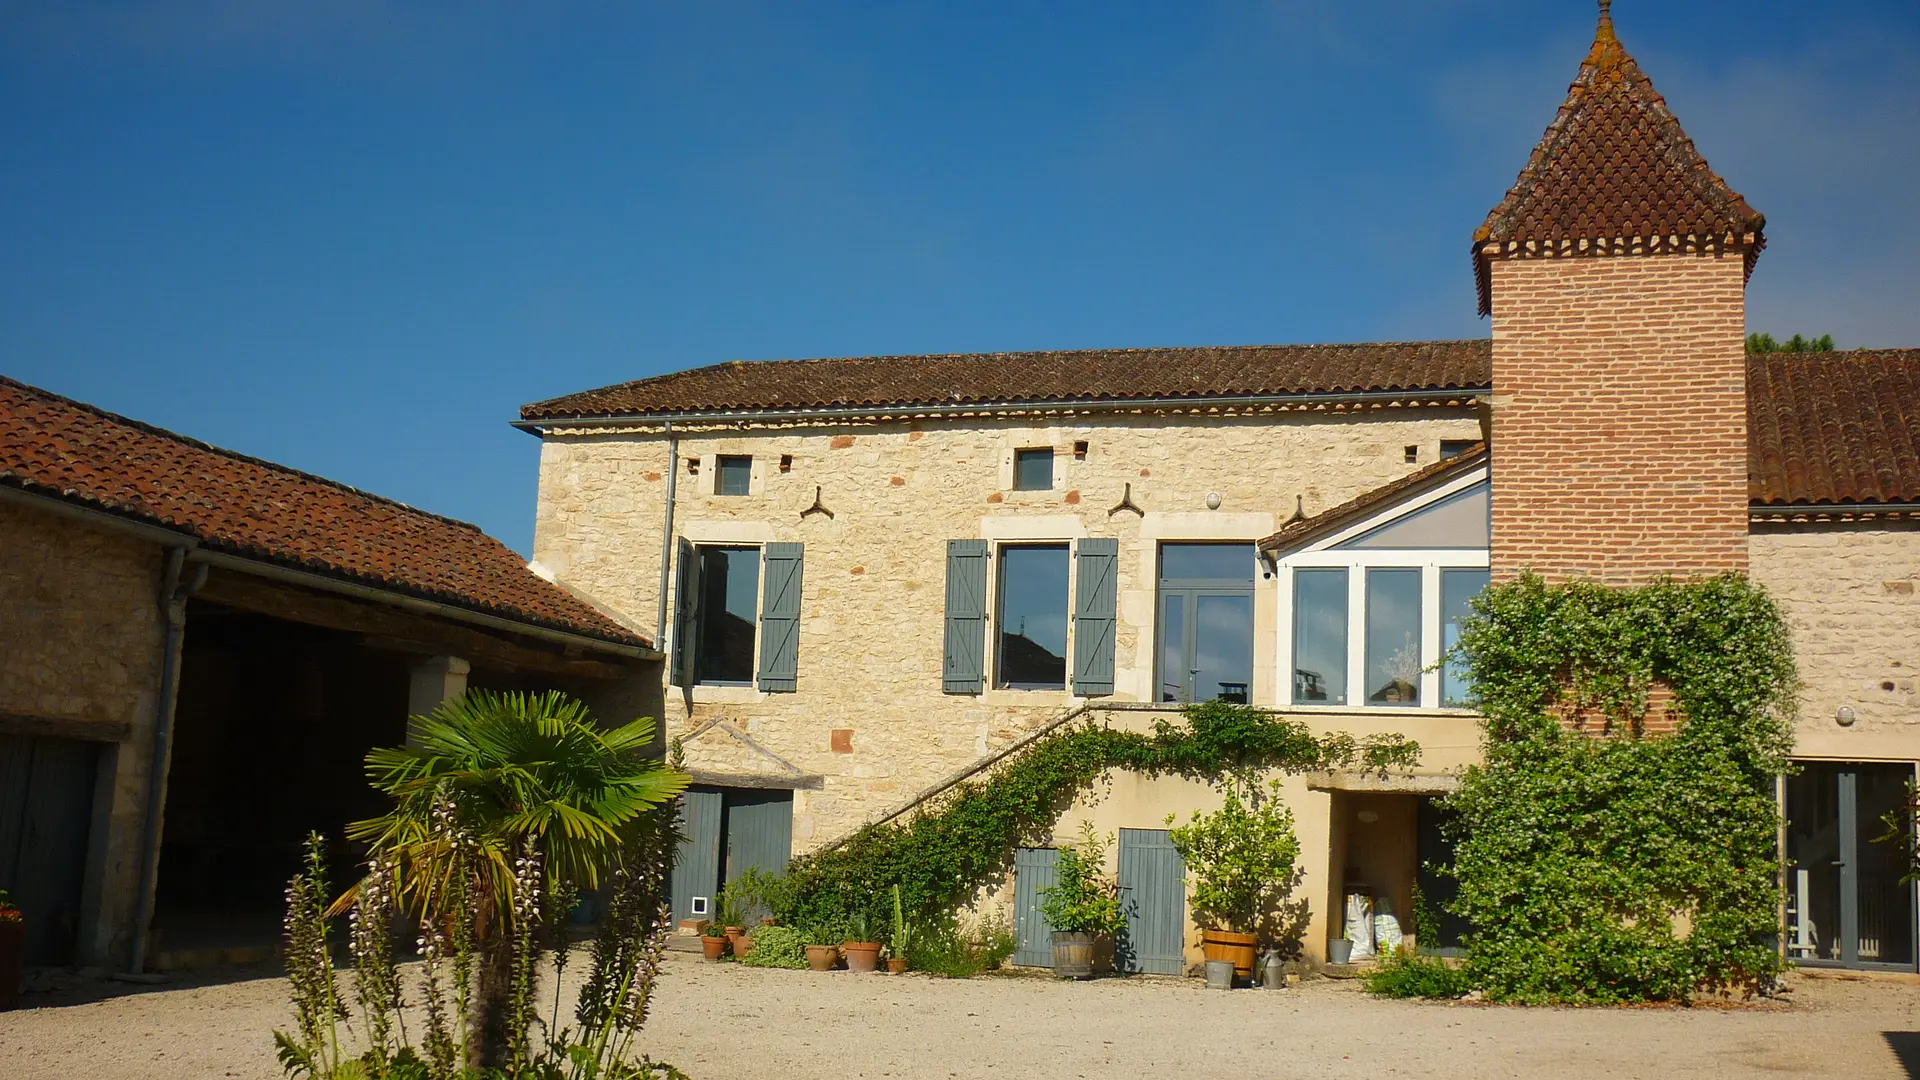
1366,611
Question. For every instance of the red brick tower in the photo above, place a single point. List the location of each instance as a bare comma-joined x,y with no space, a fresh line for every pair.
1615,271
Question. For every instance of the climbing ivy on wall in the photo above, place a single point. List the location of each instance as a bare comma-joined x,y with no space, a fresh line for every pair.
965,839
1618,866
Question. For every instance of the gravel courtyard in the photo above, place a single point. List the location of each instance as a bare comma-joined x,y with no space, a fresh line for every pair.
726,1021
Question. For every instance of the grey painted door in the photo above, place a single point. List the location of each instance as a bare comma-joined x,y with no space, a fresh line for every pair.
1848,902
696,871
759,831
1153,894
46,813
1032,871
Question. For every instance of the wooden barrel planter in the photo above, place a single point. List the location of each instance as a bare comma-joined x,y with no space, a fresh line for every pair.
1073,954
1237,949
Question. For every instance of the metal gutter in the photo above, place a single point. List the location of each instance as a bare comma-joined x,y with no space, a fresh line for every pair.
1832,509
841,412
666,535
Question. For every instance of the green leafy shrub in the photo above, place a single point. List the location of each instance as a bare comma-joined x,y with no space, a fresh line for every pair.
1625,867
944,948
964,840
1243,860
1082,898
777,947
1406,974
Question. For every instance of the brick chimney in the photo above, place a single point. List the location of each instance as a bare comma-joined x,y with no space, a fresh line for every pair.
1615,272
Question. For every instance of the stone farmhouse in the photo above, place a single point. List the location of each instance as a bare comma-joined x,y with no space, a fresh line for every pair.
197,650
874,575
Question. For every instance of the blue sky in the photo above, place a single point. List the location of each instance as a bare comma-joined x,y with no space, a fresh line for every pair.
355,235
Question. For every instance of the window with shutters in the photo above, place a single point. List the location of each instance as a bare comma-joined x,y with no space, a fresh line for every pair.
738,617
726,621
1032,618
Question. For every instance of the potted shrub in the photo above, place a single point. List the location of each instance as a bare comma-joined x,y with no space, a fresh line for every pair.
13,951
823,946
861,951
1082,906
713,941
733,921
901,940
1243,863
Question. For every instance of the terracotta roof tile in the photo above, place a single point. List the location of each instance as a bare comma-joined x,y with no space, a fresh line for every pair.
244,506
1301,530
1613,165
1833,427
1025,377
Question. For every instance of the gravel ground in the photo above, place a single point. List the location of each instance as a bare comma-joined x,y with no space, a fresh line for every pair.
724,1021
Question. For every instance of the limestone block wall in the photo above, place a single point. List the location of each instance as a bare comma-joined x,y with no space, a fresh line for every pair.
81,637
1851,591
869,718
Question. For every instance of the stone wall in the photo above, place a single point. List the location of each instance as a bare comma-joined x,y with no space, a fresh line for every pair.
869,720
1619,406
82,638
1851,592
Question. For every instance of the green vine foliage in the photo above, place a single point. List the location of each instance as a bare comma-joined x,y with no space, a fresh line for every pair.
964,841
1623,867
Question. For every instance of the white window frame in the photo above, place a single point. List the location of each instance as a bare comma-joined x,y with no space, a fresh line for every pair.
991,662
1325,552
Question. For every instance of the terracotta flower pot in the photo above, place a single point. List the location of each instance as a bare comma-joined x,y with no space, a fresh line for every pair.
713,948
896,965
741,943
823,957
1236,948
13,955
862,956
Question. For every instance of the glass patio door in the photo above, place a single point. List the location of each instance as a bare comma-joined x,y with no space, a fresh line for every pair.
1846,902
1206,622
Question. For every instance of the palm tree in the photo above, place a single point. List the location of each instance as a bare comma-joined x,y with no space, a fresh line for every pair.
522,772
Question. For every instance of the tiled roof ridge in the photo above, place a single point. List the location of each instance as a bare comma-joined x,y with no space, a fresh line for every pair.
1609,72
553,406
235,455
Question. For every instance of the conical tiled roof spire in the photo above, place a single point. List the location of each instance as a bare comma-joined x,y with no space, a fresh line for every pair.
1614,175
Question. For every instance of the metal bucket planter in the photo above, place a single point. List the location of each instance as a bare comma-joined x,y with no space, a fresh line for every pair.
1073,954
1339,950
1219,974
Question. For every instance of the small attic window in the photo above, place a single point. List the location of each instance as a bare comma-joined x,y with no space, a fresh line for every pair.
1412,454
786,462
1080,450
1033,469
693,466
734,475
1453,448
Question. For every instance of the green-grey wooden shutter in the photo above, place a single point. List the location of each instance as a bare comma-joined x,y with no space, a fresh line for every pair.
1093,614
966,639
684,605
780,619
